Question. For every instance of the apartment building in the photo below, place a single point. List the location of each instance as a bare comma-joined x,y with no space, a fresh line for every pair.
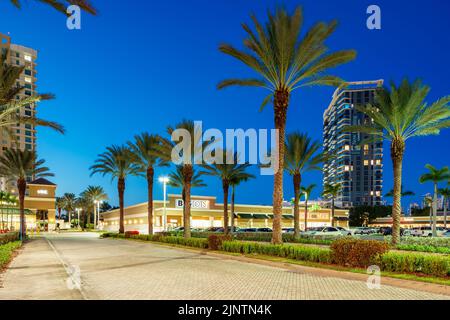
357,167
22,136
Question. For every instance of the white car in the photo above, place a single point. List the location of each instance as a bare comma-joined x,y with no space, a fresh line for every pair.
324,231
416,232
428,231
344,232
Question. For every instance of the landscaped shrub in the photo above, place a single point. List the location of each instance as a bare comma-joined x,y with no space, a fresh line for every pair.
428,264
296,252
215,240
357,253
128,234
8,237
424,241
423,248
6,251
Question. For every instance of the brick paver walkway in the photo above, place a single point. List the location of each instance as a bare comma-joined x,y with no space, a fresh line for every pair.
120,269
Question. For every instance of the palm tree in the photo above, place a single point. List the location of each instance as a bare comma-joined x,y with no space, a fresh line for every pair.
146,147
445,192
403,193
285,62
59,202
428,202
331,191
237,180
17,165
84,204
10,106
11,201
118,162
93,194
166,151
178,180
227,173
307,192
435,175
69,201
301,155
400,113
61,5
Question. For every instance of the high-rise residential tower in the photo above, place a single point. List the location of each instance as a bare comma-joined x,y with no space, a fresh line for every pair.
23,135
357,167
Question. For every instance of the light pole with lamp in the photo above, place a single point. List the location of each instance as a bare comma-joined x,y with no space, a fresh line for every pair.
78,214
164,181
98,202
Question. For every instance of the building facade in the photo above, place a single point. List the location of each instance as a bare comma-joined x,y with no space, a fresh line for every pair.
357,168
206,212
23,135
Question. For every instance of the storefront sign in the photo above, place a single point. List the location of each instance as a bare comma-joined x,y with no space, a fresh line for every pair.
195,204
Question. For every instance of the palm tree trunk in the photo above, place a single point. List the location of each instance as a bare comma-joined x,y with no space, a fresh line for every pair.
445,212
306,212
435,209
187,173
150,174
183,197
332,211
121,189
233,187
22,187
225,187
281,102
297,178
397,151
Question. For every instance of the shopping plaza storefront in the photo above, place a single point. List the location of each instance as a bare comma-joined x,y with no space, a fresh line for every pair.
206,212
39,208
410,222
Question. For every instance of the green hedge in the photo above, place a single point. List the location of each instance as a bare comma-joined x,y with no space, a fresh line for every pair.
285,251
6,251
8,237
423,248
190,242
415,263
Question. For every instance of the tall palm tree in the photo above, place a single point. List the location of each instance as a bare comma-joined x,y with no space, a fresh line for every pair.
118,162
84,204
59,202
166,151
445,192
61,5
17,165
435,175
69,204
331,191
284,62
10,106
403,193
301,155
93,194
398,114
146,149
307,192
178,180
227,173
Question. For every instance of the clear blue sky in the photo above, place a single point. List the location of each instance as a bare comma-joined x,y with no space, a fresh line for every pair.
142,65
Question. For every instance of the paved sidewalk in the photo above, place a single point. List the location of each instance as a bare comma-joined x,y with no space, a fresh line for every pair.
121,269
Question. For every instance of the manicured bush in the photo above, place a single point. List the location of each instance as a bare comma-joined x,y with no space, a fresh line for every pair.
215,240
6,251
429,264
423,248
352,252
8,237
424,241
128,234
296,252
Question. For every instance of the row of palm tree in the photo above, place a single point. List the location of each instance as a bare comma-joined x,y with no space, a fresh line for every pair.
85,202
8,204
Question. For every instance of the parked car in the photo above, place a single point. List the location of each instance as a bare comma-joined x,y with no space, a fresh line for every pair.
263,230
247,230
428,231
324,231
344,232
446,234
288,230
212,229
362,230
416,232
221,229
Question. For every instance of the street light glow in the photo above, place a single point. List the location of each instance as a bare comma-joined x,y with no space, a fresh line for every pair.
163,179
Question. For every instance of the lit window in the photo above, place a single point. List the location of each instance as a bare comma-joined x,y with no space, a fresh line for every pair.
371,162
346,147
347,168
28,79
378,162
378,193
366,147
27,57
366,162
42,191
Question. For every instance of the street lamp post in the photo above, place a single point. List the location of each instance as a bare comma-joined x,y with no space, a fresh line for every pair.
78,213
164,181
98,211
